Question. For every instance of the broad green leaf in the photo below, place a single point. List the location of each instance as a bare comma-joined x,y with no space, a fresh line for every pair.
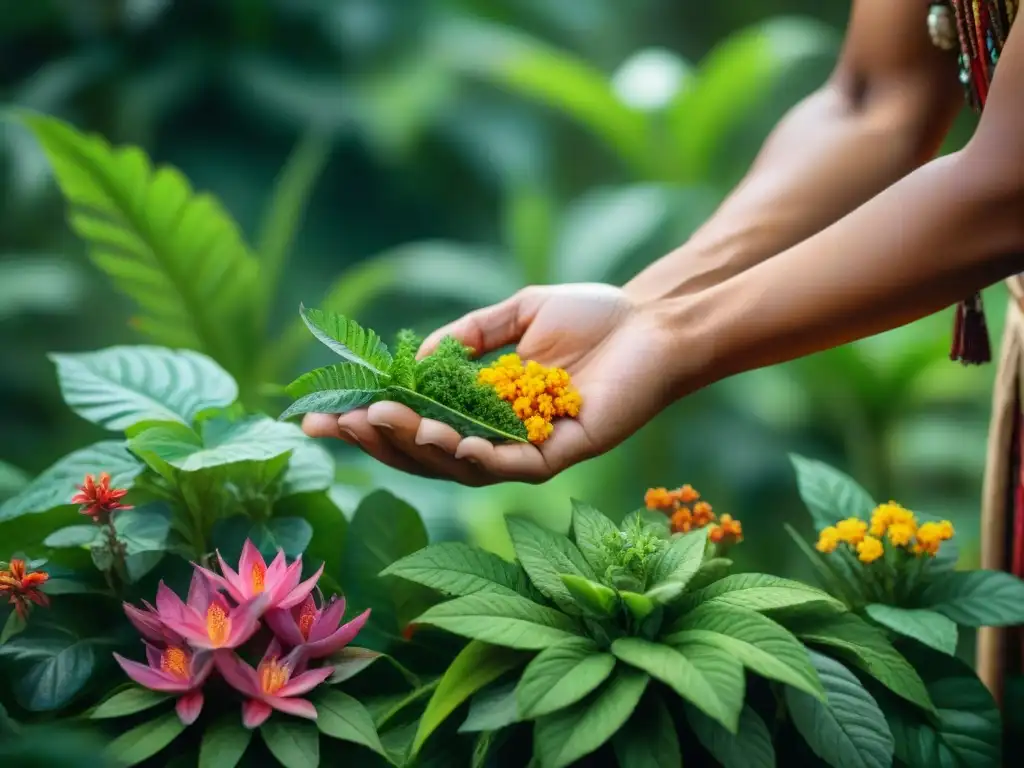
292,534
512,622
350,661
120,387
143,529
14,625
294,742
649,738
928,627
128,702
595,599
310,468
224,743
342,717
346,338
847,730
709,572
337,388
681,559
590,528
836,578
176,253
255,438
861,645
12,481
457,569
55,667
640,606
564,737
562,675
977,598
492,709
758,643
57,484
750,747
144,741
829,494
758,592
674,669
465,425
546,556
477,665
73,536
329,523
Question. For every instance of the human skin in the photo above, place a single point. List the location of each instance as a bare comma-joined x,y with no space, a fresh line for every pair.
843,228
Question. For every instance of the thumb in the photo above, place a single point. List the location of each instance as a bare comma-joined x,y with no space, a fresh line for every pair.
487,329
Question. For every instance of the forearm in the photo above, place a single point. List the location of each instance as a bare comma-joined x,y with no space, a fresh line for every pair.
827,157
946,230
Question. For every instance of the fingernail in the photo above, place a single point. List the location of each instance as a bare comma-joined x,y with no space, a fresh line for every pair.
385,427
348,436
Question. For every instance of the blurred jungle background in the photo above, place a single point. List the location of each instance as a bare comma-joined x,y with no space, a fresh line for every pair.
404,161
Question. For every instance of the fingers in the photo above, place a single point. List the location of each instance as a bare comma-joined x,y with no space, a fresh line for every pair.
489,328
525,463
354,429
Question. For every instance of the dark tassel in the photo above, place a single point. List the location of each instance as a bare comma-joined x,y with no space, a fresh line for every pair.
971,345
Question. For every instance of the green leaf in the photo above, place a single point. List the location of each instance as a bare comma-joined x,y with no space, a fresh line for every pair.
342,717
457,569
255,438
512,622
829,494
477,665
595,599
492,709
74,536
14,625
128,702
56,485
758,643
750,747
847,730
977,598
640,606
346,338
546,556
350,661
57,666
843,586
863,646
224,743
564,737
674,669
177,254
590,528
465,425
758,592
310,468
120,387
12,480
681,560
294,742
337,388
142,529
562,675
928,627
292,534
330,524
144,741
649,739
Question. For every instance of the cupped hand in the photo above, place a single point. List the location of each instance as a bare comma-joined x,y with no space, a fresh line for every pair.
612,347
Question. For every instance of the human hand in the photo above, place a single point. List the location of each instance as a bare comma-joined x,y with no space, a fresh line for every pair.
611,346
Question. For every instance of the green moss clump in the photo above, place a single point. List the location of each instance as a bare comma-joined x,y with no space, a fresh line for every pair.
403,362
450,377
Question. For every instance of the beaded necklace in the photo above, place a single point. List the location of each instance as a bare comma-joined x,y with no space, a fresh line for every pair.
978,30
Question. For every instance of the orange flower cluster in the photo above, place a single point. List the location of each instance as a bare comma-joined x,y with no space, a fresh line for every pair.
538,394
21,587
688,513
98,500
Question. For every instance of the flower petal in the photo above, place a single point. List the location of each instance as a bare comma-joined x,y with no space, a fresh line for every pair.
282,585
277,567
189,706
302,591
147,624
237,673
200,591
305,682
255,713
150,678
297,707
168,604
250,561
335,642
153,655
283,625
230,580
273,651
200,667
245,620
328,621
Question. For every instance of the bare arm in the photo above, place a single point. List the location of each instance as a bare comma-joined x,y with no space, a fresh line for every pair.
946,230
883,112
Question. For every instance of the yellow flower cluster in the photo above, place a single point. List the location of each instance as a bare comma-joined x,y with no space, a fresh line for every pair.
538,394
889,521
688,513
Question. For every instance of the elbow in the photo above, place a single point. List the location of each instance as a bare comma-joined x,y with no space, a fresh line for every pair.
990,186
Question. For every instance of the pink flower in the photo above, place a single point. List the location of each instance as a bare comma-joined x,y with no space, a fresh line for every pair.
207,621
279,582
149,624
173,670
272,685
315,630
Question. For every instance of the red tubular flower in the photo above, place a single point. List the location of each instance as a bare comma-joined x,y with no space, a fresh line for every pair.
99,501
23,587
